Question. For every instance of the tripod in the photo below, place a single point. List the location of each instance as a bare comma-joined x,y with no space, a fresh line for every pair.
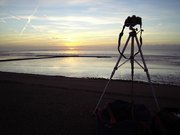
133,37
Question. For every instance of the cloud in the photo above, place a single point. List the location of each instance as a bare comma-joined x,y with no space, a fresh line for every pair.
44,2
2,2
76,19
68,2
18,3
67,24
28,20
8,17
2,20
85,19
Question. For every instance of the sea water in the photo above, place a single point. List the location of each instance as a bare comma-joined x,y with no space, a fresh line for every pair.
163,64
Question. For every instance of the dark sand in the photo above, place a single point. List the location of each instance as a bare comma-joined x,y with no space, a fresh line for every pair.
47,105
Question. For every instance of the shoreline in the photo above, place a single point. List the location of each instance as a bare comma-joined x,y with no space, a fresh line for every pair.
100,78
39,104
51,56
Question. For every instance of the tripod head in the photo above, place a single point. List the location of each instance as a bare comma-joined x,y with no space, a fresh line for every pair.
131,22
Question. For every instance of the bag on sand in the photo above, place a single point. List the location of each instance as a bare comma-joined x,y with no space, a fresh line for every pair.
166,122
121,117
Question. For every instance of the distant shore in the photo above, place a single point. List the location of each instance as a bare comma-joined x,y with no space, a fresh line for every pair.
38,104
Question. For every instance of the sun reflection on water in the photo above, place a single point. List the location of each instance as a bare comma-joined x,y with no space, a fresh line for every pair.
72,50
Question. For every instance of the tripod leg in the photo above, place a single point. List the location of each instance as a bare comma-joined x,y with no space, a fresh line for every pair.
132,69
147,73
120,56
132,76
112,74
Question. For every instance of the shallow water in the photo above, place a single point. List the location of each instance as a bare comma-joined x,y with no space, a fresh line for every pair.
163,67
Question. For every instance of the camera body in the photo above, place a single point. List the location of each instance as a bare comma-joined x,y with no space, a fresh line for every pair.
133,21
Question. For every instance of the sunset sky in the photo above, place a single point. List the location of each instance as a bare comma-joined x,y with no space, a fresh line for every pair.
70,23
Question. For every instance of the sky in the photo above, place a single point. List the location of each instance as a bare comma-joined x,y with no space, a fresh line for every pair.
85,23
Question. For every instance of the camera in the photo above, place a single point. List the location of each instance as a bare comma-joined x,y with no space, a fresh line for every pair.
133,21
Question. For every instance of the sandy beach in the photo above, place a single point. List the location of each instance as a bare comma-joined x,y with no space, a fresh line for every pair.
52,105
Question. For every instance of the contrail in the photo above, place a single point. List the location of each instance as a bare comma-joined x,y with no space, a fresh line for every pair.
28,21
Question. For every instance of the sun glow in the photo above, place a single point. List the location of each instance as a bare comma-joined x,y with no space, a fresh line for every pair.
71,42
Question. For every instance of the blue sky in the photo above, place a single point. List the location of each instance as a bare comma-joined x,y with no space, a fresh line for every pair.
85,22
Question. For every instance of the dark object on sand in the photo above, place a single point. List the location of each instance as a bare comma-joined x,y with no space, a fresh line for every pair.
167,122
121,117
